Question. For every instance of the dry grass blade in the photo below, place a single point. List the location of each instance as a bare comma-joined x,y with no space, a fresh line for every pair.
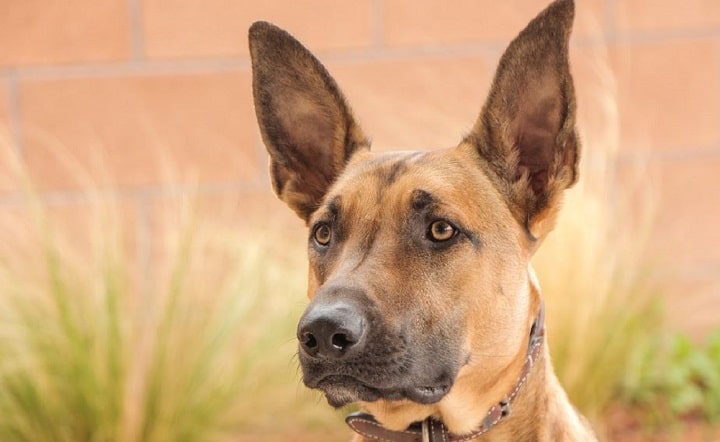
98,344
602,304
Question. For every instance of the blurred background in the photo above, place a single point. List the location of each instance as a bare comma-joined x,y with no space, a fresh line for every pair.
150,281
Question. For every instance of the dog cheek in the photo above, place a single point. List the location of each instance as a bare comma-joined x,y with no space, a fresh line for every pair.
312,283
442,348
318,269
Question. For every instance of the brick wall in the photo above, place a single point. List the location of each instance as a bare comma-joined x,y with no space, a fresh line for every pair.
130,86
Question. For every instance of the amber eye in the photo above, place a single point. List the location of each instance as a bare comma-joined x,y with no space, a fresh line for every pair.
322,234
441,231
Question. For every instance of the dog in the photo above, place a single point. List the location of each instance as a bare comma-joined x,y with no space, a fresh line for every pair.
424,308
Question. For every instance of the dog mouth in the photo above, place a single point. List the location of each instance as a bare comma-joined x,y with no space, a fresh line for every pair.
341,390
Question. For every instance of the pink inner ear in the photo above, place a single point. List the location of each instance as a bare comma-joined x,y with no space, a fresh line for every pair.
310,127
536,128
527,125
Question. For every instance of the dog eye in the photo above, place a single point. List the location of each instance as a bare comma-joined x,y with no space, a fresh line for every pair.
322,234
441,230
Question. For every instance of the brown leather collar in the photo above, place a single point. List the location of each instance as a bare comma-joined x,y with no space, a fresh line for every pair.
432,430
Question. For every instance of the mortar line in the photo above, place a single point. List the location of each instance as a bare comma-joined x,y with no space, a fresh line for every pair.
259,184
611,10
137,35
261,157
233,64
15,114
676,153
615,34
610,38
241,63
80,196
377,28
717,82
664,36
702,270
160,67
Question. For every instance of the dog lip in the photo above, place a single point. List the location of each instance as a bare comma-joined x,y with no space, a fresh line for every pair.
341,390
428,394
343,381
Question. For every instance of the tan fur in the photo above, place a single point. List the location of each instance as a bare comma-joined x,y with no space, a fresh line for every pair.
472,301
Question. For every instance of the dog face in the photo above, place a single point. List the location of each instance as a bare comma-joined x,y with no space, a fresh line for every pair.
405,264
419,273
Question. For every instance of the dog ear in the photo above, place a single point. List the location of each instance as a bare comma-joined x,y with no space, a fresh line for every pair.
306,125
526,130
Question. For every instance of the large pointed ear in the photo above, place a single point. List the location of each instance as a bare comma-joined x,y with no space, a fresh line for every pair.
306,125
526,130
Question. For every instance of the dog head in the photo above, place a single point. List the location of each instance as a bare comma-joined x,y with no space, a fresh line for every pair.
419,273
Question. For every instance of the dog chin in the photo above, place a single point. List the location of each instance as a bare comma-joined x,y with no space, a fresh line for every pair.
339,397
342,390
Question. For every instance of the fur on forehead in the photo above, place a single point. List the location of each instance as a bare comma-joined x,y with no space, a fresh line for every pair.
451,176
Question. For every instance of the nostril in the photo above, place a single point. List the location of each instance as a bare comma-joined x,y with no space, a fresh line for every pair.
341,341
331,330
308,341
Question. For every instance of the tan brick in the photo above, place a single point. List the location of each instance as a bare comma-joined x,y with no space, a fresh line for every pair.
8,181
427,22
686,234
37,31
692,304
174,28
644,15
432,102
125,127
6,141
255,214
415,104
669,94
4,105
597,100
672,213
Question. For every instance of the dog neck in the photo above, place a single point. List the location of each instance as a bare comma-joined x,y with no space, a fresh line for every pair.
431,430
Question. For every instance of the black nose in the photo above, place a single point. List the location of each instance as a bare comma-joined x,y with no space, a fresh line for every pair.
331,330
